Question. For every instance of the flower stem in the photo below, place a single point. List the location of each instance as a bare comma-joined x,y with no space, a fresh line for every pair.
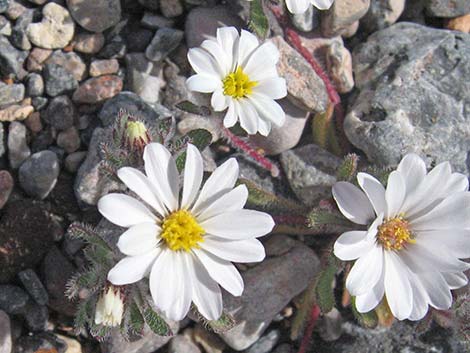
314,315
242,145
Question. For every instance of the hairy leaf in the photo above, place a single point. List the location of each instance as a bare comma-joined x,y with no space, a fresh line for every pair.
258,20
156,323
324,289
190,107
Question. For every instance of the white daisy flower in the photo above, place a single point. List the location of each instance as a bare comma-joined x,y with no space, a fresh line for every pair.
241,74
109,308
300,6
185,243
418,229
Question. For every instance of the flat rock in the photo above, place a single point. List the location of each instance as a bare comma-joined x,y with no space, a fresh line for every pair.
98,89
71,62
33,285
304,87
341,15
55,30
447,8
269,287
10,94
58,80
163,43
16,112
18,149
25,235
38,174
413,96
95,15
11,59
104,67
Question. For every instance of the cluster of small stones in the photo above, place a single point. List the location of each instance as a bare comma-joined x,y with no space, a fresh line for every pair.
68,66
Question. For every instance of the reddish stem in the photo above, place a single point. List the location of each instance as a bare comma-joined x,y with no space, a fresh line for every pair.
289,219
294,39
314,315
244,146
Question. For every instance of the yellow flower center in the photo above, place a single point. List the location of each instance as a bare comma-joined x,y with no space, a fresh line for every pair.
181,231
136,131
395,233
238,85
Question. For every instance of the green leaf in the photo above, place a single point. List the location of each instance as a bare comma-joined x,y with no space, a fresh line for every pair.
223,324
324,290
306,304
156,323
137,321
319,217
190,107
369,320
200,138
88,234
82,315
258,20
348,168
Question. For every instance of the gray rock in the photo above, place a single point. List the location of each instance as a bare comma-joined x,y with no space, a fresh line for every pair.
307,21
414,96
144,77
284,348
202,22
74,160
38,174
165,41
5,26
447,8
58,80
11,59
26,229
36,317
18,149
57,270
150,4
4,5
71,62
341,15
287,136
311,172
34,85
268,289
18,36
152,21
266,343
13,299
88,43
69,140
90,183
44,341
31,282
60,113
171,8
182,343
39,103
382,13
5,329
132,104
11,94
2,140
6,187
95,15
116,48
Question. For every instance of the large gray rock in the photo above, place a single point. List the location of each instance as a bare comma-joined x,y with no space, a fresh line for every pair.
414,95
95,15
18,149
447,8
38,174
269,287
311,172
382,13
10,94
11,59
5,332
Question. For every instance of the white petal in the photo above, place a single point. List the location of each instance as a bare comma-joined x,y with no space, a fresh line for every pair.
366,271
203,63
353,203
242,251
322,4
219,101
395,194
453,212
437,290
352,245
203,83
420,299
125,211
457,241
139,239
170,284
136,181
231,201
455,280
369,300
246,45
193,172
264,56
241,224
274,88
397,286
413,170
264,127
223,59
227,38
160,168
268,109
221,181
248,116
206,292
297,6
133,268
231,117
221,271
374,191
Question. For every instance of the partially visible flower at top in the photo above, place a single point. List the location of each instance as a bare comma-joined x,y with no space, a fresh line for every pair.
241,74
184,241
109,308
418,229
300,6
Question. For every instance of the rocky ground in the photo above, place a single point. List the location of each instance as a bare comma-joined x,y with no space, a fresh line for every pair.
67,67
